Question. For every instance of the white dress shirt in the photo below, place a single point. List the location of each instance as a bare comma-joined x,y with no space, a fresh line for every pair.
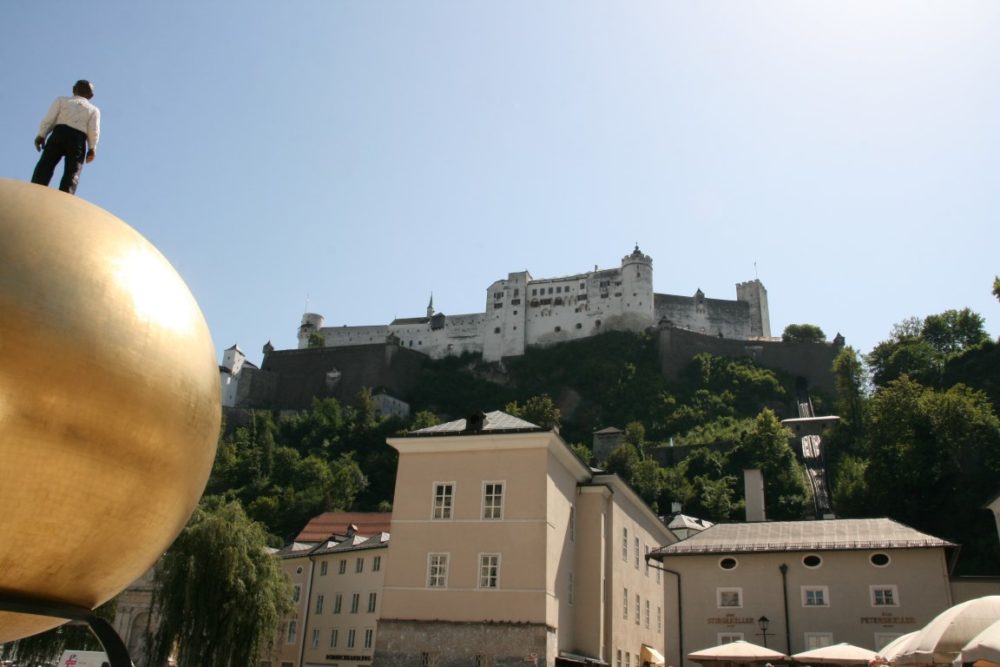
76,112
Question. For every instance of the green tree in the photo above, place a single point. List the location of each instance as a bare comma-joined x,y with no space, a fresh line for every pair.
849,490
954,331
850,379
47,646
539,410
219,594
622,461
996,287
803,333
647,480
766,447
939,450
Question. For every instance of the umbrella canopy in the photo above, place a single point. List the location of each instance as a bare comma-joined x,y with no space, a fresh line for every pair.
738,651
838,654
892,649
941,640
984,647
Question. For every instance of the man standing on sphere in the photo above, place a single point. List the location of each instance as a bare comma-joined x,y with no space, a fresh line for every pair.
74,123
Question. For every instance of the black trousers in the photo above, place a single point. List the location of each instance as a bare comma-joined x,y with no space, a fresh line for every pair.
68,144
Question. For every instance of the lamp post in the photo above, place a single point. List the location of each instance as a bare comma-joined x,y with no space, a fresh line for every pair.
763,622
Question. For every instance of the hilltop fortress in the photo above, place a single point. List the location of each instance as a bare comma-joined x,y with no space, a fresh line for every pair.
522,311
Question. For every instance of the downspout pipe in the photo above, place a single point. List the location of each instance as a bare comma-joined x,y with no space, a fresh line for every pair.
311,555
680,605
784,589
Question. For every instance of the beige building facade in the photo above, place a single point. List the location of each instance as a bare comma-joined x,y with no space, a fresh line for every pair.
815,583
507,549
336,592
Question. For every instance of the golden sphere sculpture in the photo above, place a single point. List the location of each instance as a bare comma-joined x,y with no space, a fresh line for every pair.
109,403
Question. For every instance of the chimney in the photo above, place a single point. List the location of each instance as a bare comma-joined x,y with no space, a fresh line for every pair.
476,422
753,491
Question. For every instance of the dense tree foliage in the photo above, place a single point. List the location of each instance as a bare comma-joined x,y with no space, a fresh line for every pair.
921,348
803,333
219,594
924,446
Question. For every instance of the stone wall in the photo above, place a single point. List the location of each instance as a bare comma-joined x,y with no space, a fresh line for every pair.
712,317
290,379
402,643
811,361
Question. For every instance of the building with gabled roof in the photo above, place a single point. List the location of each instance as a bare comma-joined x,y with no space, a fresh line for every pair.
508,548
799,585
336,591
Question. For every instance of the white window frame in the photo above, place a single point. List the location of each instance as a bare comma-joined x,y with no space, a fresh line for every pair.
813,640
638,609
338,603
822,590
445,510
293,631
496,513
728,637
572,523
647,615
322,568
315,638
635,548
739,596
376,563
438,579
355,602
352,635
490,561
359,565
342,567
320,599
571,594
334,636
882,587
625,543
625,605
372,602
296,593
369,637
659,618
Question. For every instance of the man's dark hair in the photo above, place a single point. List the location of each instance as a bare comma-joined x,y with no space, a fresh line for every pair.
83,88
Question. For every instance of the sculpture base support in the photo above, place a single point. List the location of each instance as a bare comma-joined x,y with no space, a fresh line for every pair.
114,647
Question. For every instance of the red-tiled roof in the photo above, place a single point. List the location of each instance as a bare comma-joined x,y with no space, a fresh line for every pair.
321,527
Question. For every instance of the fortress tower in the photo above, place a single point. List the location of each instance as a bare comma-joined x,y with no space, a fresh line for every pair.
753,294
311,324
637,288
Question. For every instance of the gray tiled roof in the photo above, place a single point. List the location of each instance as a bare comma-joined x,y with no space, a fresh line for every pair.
496,422
832,534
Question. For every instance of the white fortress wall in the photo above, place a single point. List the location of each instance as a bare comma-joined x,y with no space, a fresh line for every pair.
345,335
521,311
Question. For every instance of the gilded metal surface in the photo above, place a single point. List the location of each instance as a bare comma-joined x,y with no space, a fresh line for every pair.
109,402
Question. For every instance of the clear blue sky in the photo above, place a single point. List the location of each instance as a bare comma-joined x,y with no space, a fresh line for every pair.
350,158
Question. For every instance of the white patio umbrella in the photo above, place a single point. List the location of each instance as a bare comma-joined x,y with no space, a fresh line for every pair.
892,649
984,647
837,654
941,640
738,651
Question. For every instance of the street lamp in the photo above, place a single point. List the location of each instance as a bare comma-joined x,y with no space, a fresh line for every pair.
763,622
